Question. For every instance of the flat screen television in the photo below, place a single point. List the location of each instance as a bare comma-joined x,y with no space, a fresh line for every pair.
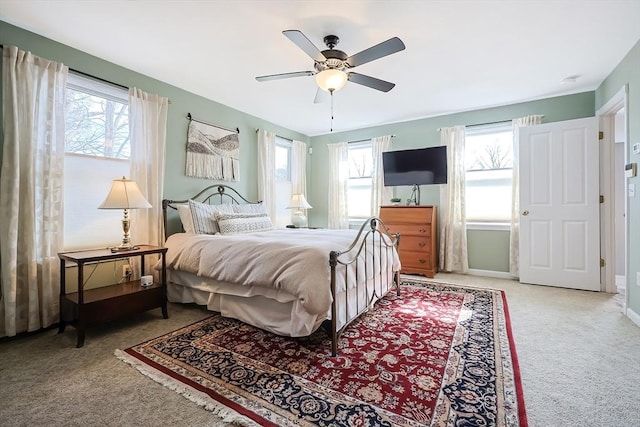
415,167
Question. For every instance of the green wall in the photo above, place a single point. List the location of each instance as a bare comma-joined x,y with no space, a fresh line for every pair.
176,184
628,73
488,250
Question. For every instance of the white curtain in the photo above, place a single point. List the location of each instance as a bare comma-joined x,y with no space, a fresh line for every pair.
379,193
148,134
338,181
453,225
299,169
31,190
266,171
514,235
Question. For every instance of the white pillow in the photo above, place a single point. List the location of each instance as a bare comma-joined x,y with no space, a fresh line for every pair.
243,223
202,214
185,217
257,208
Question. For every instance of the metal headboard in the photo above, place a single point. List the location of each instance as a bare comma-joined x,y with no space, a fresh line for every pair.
216,194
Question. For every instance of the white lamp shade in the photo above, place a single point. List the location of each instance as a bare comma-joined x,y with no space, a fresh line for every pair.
124,194
298,202
331,80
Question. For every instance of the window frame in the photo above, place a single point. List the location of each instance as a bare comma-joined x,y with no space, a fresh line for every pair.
357,220
109,221
283,187
488,129
288,145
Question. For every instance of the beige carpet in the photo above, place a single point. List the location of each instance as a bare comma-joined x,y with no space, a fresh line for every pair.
579,360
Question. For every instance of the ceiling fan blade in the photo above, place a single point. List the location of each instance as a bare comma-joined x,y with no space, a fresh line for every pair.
285,76
383,49
303,43
371,82
321,97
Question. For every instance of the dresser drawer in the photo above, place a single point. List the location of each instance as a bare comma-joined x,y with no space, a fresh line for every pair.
409,230
416,243
412,260
407,214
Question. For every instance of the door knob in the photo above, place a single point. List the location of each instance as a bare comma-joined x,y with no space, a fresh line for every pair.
525,213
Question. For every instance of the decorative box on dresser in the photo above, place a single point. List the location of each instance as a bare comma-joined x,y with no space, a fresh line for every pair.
418,235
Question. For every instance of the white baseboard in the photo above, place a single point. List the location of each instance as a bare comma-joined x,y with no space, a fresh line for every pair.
491,273
635,317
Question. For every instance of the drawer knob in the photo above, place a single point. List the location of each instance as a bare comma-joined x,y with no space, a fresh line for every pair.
421,244
422,230
422,261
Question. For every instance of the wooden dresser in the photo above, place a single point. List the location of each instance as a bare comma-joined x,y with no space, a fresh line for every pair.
418,235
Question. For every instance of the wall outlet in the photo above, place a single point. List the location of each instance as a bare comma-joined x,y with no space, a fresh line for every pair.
638,278
126,271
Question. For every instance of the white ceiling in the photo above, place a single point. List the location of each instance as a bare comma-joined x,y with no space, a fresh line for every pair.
460,55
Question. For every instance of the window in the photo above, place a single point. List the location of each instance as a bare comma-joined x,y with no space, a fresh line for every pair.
283,182
97,151
360,180
489,161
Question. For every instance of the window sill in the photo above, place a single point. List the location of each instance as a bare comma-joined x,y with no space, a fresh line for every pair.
489,226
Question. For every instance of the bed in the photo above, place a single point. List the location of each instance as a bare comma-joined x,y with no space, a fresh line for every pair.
291,282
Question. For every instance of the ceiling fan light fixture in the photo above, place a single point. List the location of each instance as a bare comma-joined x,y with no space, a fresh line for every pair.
331,80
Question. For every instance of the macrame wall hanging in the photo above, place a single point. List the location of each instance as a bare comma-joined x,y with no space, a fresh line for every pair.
212,152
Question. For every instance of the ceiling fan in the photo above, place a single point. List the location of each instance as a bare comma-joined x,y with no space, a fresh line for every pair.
332,66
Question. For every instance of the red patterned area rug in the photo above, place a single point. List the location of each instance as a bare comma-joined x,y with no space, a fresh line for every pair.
437,355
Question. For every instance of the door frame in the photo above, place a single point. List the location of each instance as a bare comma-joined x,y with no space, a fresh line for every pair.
606,119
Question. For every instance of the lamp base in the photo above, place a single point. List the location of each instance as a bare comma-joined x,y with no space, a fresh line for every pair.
299,219
124,248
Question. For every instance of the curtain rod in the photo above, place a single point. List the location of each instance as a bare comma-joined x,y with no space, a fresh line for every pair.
365,140
82,73
481,124
350,142
90,76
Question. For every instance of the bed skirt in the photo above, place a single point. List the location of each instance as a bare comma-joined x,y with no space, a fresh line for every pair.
273,310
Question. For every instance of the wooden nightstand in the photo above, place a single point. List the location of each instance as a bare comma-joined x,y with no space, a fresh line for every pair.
110,302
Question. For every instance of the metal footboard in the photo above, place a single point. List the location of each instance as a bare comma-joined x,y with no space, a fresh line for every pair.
372,253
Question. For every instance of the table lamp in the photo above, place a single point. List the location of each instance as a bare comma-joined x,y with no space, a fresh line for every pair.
298,203
124,194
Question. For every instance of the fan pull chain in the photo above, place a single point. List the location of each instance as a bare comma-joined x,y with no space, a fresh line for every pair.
331,92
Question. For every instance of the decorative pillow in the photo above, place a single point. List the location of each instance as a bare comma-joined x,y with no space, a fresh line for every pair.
257,208
202,214
185,217
236,223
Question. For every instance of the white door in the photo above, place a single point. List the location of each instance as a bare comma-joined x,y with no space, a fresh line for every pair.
559,204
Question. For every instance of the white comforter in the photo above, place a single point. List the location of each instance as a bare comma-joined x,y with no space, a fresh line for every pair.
296,261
